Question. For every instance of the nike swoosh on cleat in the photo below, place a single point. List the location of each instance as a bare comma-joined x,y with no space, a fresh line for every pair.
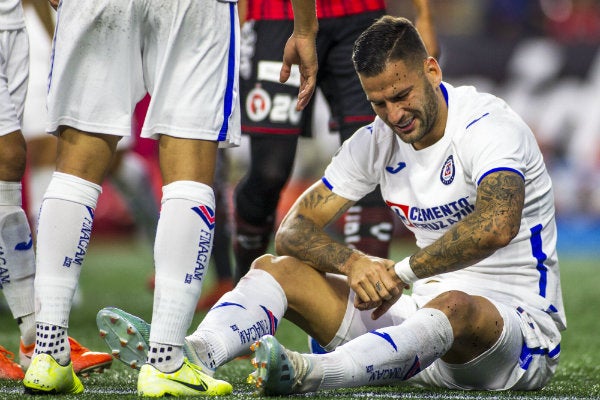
201,387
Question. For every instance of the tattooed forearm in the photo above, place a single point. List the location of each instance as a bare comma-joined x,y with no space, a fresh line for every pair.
317,200
312,245
494,223
302,234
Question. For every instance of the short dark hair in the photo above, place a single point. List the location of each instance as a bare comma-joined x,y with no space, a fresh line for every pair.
387,39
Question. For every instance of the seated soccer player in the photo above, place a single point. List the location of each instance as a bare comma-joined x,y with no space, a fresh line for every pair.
464,173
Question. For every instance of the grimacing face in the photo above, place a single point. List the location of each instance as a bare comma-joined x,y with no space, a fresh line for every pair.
405,99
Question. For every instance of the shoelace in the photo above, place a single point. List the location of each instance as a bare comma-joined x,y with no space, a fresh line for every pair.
300,365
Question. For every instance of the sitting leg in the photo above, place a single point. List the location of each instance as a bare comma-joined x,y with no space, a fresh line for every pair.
455,327
275,287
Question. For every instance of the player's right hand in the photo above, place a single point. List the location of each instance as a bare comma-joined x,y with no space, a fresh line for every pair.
375,283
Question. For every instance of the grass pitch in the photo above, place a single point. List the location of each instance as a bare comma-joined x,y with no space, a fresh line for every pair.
115,274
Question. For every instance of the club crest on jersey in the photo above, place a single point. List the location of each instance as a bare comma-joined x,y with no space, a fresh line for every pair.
207,214
448,171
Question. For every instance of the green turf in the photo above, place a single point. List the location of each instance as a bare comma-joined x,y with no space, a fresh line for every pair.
116,274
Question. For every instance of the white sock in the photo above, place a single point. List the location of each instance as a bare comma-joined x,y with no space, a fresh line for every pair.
165,357
52,340
181,254
385,356
27,328
17,260
254,308
64,229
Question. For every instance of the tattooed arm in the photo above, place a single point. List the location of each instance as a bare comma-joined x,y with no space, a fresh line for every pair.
302,235
494,223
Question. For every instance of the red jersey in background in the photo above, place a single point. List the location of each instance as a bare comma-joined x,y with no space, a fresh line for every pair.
282,9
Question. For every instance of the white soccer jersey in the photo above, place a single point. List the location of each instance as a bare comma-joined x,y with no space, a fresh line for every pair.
433,188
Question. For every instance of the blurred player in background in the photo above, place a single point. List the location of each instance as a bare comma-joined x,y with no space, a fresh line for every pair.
17,261
274,126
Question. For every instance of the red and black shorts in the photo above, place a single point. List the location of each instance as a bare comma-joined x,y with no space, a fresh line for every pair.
268,107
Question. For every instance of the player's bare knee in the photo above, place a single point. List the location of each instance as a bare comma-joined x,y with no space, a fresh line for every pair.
12,166
459,307
263,262
275,265
476,324
286,270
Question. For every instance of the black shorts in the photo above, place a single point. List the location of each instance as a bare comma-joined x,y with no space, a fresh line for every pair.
268,107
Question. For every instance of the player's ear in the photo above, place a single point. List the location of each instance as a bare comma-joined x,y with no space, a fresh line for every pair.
432,71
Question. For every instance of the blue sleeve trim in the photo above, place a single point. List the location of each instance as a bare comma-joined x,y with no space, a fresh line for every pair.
491,171
326,183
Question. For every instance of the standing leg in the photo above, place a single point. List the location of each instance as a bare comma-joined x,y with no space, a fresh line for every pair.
257,195
17,261
64,232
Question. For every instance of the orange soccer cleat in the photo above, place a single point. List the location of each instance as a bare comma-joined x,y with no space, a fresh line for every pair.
8,368
84,360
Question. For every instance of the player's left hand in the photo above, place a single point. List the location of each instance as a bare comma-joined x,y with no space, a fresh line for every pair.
301,50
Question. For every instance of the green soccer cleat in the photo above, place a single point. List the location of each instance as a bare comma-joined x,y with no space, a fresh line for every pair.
46,376
128,337
279,371
189,380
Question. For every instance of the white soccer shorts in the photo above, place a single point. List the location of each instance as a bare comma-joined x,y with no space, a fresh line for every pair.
521,359
109,53
14,71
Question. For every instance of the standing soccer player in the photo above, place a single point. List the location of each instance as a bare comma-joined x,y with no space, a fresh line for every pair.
107,54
